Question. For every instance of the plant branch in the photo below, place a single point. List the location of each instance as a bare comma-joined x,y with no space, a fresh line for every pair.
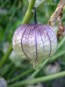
61,43
29,12
40,67
5,57
20,76
57,13
37,80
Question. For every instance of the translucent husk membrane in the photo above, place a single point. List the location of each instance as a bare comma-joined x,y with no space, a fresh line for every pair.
34,42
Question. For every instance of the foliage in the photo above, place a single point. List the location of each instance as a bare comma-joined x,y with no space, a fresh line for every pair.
15,70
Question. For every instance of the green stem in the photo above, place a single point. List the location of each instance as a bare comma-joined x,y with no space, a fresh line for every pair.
5,69
25,20
29,12
46,61
5,57
61,43
4,4
38,70
11,72
20,76
55,57
37,80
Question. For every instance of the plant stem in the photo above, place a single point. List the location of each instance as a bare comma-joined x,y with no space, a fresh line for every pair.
38,70
37,80
5,57
20,76
61,43
35,16
25,20
46,61
29,12
4,4
55,57
5,69
11,72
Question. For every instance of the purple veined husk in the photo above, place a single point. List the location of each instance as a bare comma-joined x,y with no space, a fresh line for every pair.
34,42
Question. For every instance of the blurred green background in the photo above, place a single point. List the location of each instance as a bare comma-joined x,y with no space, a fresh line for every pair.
15,69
